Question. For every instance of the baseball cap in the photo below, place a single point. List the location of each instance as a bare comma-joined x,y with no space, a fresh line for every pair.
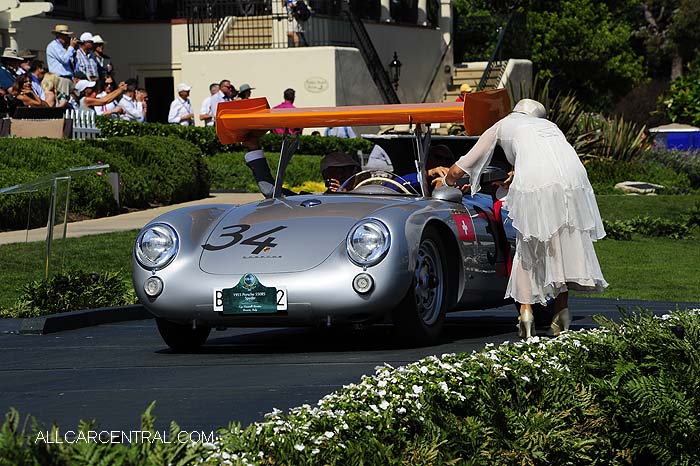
183,87
86,37
84,84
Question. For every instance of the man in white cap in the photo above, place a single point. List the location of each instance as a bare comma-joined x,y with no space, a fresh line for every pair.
84,59
104,62
181,109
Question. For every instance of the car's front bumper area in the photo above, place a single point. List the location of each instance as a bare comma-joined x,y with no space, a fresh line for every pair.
323,295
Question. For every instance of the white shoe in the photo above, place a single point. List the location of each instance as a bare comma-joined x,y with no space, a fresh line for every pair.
526,324
560,322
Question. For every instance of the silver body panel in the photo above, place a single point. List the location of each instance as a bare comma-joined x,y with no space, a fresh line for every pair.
307,255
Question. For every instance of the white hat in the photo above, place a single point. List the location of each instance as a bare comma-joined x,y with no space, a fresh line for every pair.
98,39
86,37
183,87
530,107
11,53
84,84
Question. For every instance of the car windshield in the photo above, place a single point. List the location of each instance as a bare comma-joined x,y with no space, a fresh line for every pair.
378,182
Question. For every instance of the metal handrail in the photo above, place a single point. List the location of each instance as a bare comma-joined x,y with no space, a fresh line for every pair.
369,53
496,53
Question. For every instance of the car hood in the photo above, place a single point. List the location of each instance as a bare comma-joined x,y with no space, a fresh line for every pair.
285,235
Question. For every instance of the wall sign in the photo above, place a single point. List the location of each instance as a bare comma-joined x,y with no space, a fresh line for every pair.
316,84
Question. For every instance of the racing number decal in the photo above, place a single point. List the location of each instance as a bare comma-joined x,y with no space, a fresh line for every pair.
280,297
236,236
465,227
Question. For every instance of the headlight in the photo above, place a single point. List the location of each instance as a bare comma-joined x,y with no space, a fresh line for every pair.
156,246
368,242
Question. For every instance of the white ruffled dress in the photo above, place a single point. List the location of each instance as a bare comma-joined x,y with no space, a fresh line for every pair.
552,206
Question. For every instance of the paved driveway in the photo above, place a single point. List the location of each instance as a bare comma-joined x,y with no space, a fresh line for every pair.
112,372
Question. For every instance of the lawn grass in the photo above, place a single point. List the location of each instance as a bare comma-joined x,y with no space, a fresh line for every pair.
619,207
644,268
24,262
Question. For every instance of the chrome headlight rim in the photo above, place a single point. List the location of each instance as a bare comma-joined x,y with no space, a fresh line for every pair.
167,258
375,257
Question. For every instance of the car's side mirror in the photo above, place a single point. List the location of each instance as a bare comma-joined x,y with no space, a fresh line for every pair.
448,193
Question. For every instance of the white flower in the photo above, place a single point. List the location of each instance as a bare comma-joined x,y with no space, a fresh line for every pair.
401,410
417,389
384,404
443,386
315,451
374,408
369,427
525,378
299,447
328,434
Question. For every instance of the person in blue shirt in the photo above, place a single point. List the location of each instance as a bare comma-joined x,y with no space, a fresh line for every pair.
61,52
8,71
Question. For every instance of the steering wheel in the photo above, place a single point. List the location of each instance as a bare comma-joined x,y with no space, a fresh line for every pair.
384,180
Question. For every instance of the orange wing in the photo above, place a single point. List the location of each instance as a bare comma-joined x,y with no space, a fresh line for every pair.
234,120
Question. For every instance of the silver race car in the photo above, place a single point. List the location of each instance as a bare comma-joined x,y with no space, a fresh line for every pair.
378,250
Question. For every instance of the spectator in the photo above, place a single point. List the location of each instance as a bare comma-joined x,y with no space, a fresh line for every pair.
464,89
142,98
23,93
27,56
51,94
84,59
226,93
205,112
9,63
294,27
244,91
131,109
110,109
341,132
88,95
61,52
37,69
181,109
104,62
336,168
289,96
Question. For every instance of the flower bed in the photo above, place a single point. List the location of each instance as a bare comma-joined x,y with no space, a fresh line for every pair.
620,394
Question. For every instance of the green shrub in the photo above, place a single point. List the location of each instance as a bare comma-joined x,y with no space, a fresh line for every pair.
205,138
25,160
156,169
682,103
687,162
73,291
604,174
649,226
230,173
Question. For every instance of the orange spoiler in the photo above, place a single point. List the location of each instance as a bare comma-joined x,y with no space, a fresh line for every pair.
235,119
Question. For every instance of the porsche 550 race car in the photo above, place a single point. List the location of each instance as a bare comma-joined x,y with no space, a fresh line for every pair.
378,250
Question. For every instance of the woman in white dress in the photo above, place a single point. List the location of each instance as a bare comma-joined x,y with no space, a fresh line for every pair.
553,209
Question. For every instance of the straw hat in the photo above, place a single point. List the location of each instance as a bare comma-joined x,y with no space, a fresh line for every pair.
62,29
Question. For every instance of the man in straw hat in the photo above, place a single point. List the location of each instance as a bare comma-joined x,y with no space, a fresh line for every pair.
27,56
60,53
104,62
10,63
464,89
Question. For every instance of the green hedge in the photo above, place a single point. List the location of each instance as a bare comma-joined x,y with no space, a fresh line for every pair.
604,174
205,138
153,169
230,173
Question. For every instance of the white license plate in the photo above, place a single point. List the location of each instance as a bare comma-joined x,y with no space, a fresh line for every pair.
281,299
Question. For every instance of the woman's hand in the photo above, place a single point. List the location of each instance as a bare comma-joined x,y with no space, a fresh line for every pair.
438,172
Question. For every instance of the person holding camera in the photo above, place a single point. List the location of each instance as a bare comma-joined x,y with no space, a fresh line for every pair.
60,54
336,168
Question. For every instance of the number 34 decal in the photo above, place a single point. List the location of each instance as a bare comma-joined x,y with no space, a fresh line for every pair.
261,241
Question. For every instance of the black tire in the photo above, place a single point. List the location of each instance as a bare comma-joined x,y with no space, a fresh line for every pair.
181,337
420,315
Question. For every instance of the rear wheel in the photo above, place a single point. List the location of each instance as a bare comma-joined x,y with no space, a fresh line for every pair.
182,337
420,315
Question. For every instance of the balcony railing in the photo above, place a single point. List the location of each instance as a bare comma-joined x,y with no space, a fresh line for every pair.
261,24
